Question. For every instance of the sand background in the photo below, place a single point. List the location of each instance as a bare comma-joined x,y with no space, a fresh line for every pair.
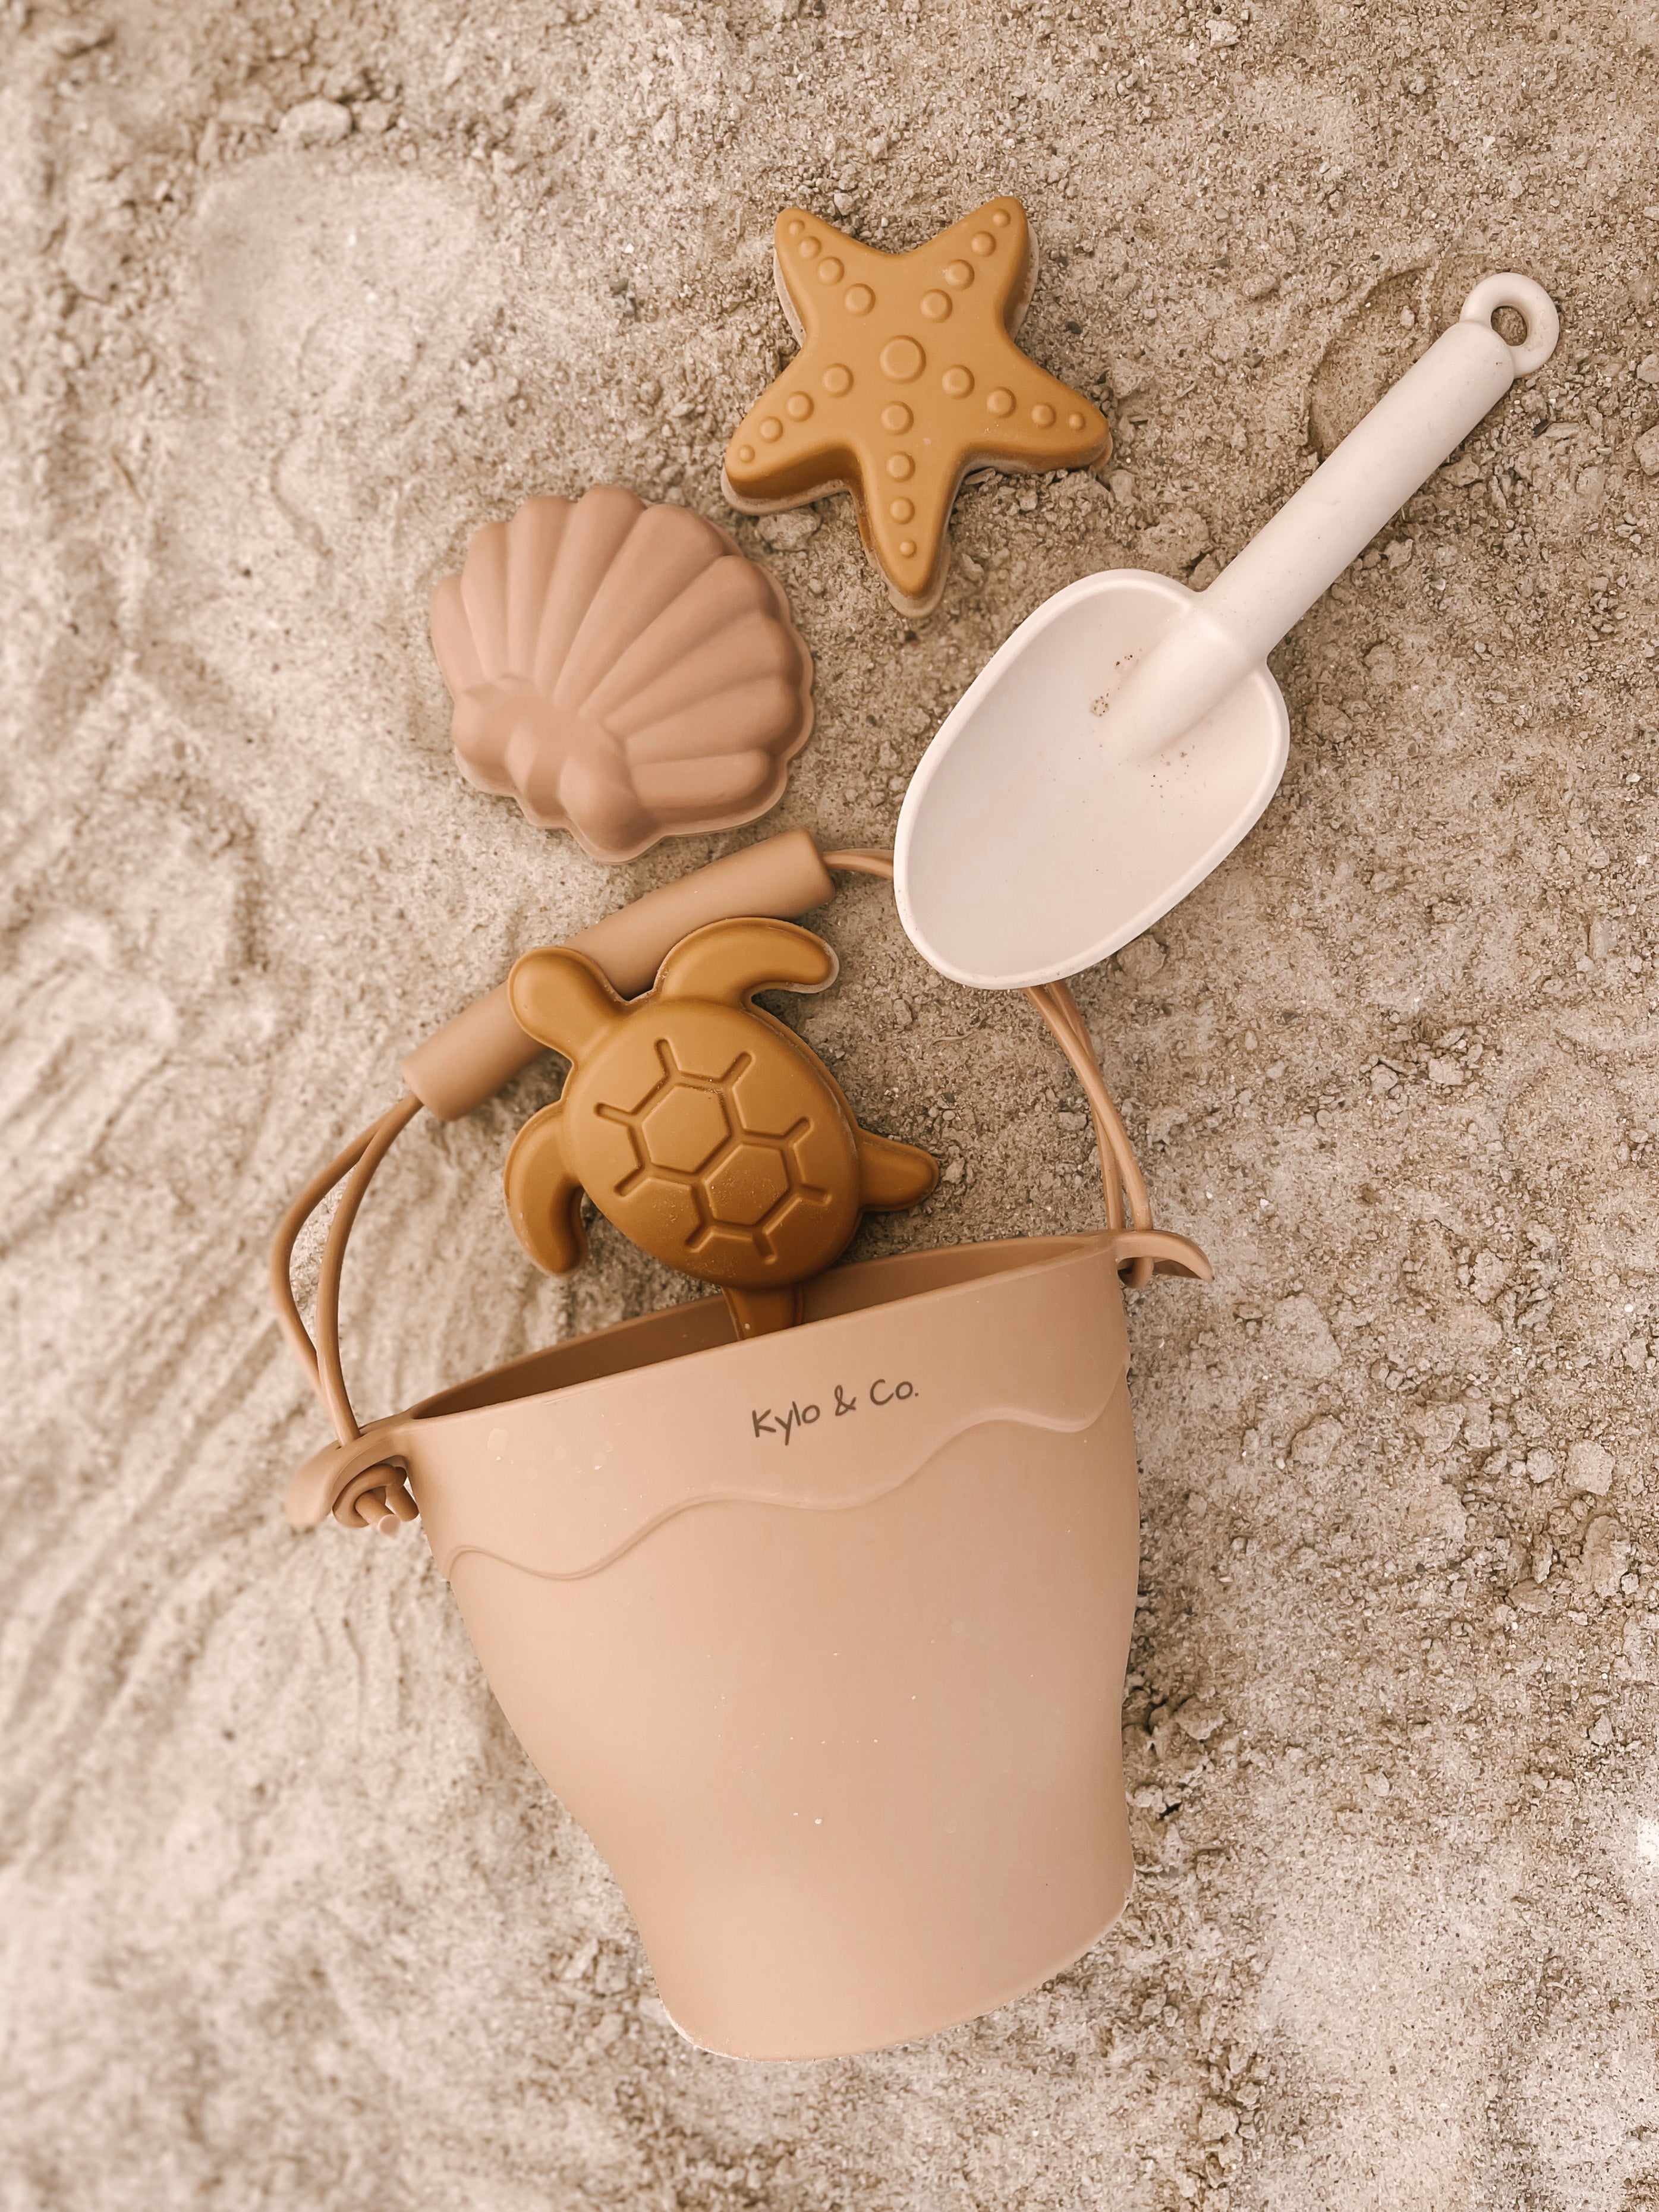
285,1919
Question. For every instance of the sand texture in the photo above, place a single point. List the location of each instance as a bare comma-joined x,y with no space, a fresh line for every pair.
292,297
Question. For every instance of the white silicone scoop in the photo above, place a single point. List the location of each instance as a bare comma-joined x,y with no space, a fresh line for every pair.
1128,733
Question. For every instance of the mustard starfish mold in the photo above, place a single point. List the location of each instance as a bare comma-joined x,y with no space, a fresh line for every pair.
908,376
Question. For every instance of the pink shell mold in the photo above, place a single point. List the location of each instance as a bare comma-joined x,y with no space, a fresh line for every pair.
622,670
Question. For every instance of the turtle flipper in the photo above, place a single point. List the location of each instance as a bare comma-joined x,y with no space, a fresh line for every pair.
543,1197
559,997
758,1313
730,960
892,1175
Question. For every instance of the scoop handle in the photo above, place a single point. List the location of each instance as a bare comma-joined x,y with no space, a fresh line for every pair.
1261,596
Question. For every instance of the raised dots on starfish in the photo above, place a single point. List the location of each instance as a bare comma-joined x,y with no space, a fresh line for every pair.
869,322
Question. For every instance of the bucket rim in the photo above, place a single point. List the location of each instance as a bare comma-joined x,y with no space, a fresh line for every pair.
1064,1250
325,1483
1067,1248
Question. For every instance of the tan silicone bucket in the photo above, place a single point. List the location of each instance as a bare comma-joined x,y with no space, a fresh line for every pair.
821,1634
835,1693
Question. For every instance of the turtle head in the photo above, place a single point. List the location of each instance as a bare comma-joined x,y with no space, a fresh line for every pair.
561,998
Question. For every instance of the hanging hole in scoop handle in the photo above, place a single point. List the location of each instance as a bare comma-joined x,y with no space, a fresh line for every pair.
1528,301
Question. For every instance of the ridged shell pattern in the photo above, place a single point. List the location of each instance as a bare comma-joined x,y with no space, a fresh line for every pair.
622,670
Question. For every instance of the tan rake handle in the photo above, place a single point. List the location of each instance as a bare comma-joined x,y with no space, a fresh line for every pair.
471,1050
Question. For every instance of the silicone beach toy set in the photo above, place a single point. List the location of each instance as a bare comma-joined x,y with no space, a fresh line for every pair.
812,1598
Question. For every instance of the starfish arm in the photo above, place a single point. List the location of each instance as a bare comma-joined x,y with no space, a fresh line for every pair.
990,253
904,524
760,476
796,441
816,267
1024,418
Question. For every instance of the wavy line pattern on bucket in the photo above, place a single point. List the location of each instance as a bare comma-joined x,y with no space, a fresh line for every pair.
562,1481
883,1488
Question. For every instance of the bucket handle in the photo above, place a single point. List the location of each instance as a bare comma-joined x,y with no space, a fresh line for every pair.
1127,1203
375,1495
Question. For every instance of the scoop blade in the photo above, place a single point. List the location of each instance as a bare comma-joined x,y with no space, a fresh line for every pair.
1027,849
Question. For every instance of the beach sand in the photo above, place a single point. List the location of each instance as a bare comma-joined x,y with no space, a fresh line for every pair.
293,299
